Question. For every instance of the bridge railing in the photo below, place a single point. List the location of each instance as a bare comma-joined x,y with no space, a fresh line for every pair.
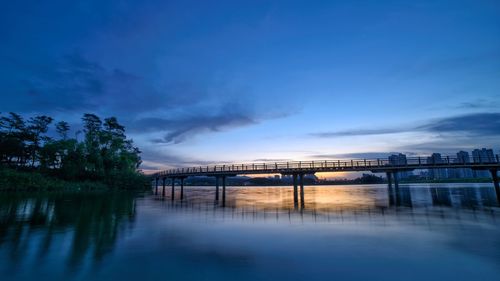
279,167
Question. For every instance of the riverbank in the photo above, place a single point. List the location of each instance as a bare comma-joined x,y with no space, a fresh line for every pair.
13,180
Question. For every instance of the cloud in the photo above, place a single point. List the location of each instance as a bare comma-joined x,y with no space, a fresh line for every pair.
179,128
179,109
480,104
271,160
162,160
476,124
74,83
450,145
360,132
360,155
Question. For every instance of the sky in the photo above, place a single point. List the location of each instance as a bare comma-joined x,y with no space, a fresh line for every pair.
206,82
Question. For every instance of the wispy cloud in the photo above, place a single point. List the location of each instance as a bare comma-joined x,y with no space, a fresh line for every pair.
178,130
480,104
271,160
358,155
359,132
166,159
476,124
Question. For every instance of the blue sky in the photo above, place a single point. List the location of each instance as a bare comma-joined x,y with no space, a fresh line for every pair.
200,82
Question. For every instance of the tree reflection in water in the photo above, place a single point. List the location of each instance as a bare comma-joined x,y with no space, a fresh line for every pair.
92,223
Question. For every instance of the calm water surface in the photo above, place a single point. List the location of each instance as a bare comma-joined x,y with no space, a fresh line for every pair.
431,232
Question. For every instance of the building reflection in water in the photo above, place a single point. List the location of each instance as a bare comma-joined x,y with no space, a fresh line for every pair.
348,197
341,202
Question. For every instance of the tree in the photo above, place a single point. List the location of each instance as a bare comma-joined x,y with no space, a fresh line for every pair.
62,129
12,146
105,154
38,126
92,125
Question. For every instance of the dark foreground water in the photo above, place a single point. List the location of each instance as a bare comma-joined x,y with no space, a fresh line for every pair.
424,232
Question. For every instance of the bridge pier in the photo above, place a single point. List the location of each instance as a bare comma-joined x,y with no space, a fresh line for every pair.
494,176
156,185
390,191
164,179
223,191
182,188
301,179
295,192
216,189
392,176
173,190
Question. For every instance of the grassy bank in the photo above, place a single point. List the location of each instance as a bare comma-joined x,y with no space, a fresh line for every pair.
12,180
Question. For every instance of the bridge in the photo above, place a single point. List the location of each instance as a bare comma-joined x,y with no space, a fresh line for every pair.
297,169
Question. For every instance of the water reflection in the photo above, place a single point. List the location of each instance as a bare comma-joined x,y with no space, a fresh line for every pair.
341,203
348,197
103,236
82,225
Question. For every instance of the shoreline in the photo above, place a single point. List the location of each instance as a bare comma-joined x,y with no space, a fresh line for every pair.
34,181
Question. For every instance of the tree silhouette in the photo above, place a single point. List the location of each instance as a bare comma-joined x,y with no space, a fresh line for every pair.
105,154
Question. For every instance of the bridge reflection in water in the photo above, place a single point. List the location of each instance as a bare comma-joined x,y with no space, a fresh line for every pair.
339,201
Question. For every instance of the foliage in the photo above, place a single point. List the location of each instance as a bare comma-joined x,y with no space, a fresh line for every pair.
104,155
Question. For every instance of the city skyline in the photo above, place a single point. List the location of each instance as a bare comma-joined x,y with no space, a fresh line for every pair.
203,83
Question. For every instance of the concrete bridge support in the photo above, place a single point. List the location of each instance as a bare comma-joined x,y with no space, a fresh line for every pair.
216,189
223,191
295,192
182,188
156,185
396,179
301,180
389,179
494,176
173,190
164,179
390,190
392,176
221,179
298,182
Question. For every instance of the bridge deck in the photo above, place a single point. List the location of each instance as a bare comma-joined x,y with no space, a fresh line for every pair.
354,165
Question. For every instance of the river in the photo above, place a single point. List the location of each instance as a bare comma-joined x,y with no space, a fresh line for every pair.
356,232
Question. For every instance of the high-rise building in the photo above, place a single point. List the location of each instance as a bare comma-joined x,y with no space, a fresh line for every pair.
400,160
441,173
463,158
482,156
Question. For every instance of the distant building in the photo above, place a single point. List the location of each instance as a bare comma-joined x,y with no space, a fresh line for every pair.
482,156
400,160
441,173
463,173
